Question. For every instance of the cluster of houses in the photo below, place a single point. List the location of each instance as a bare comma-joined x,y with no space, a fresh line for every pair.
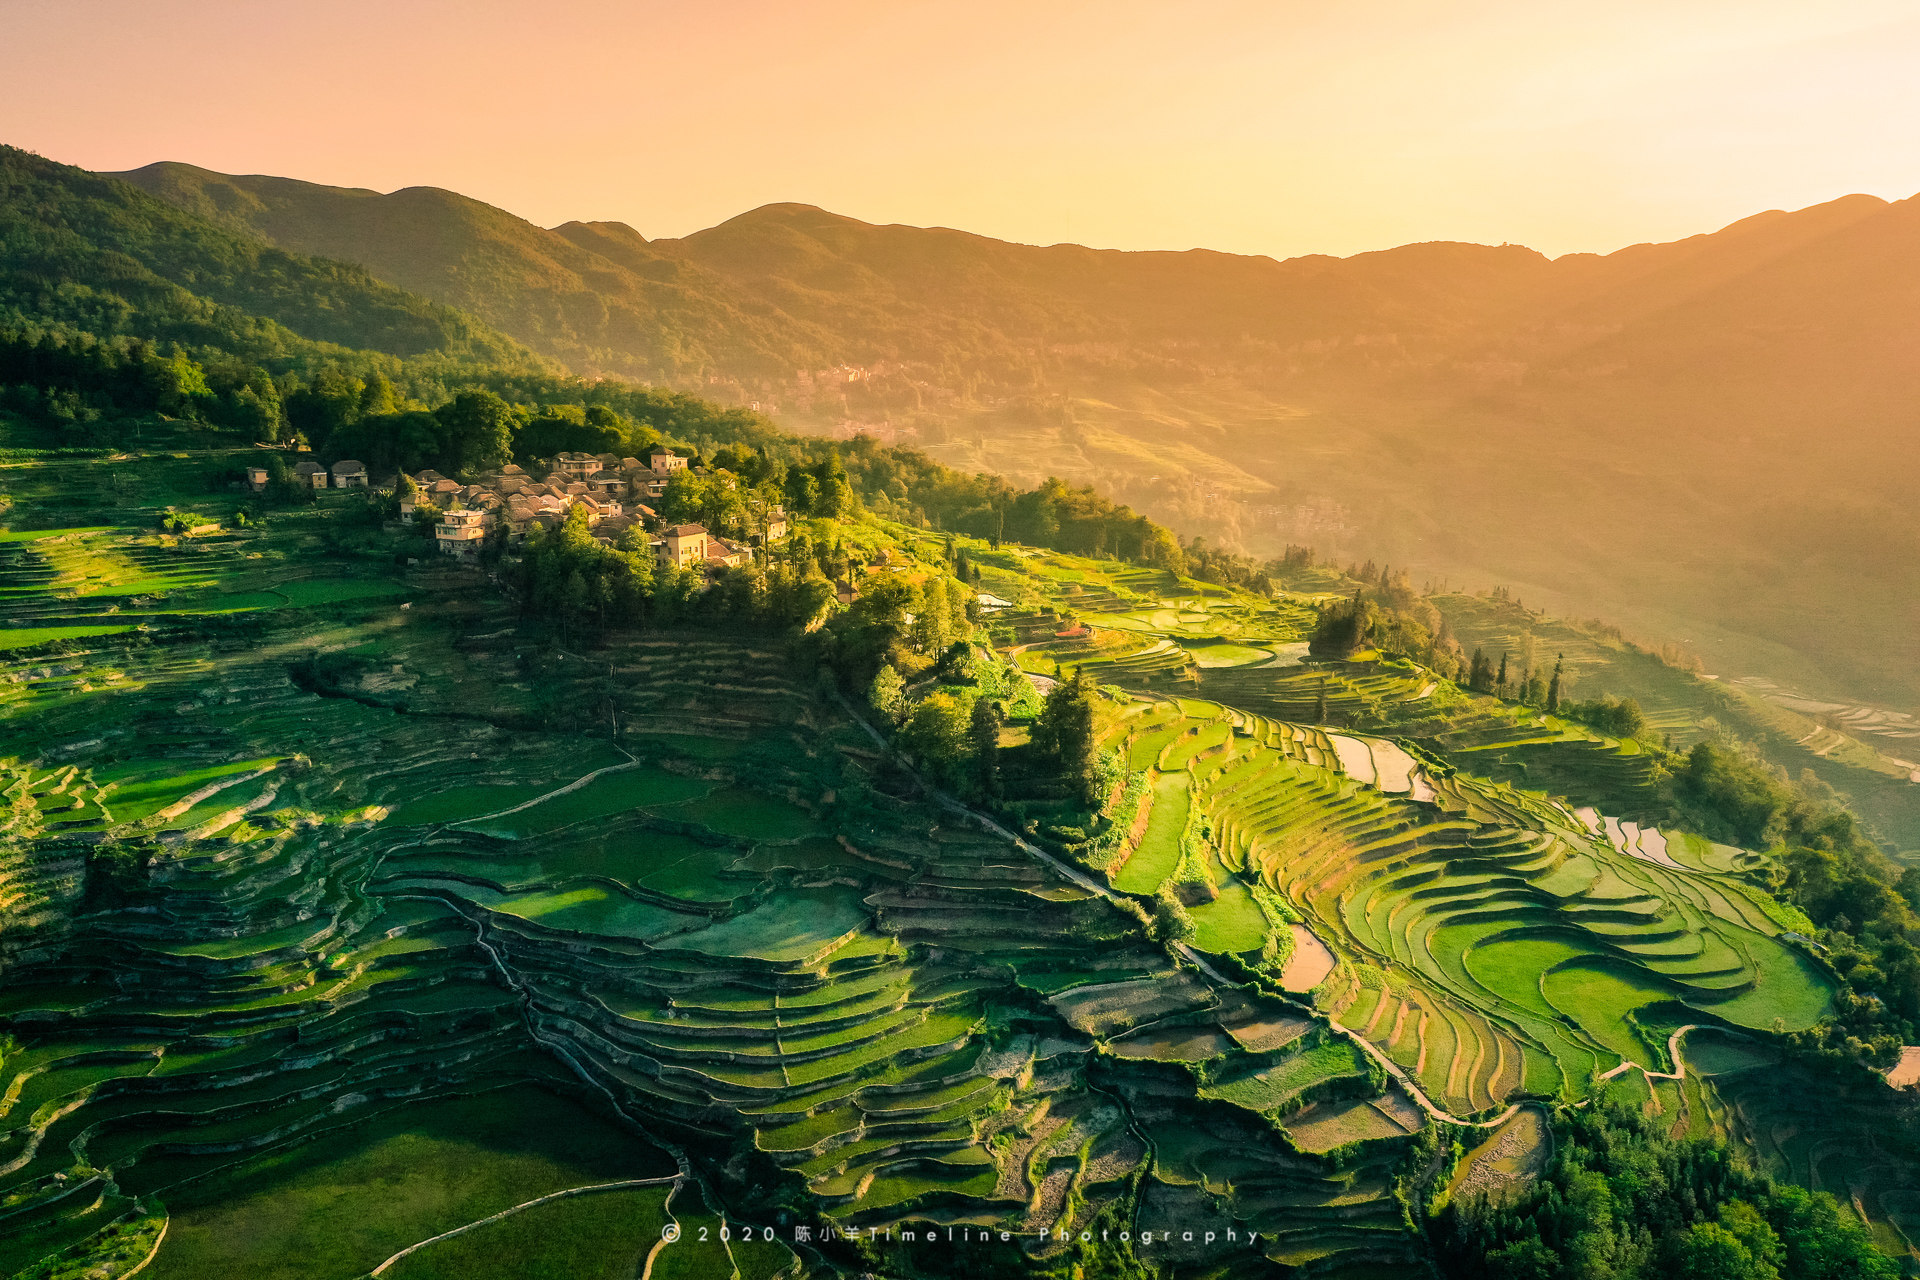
613,490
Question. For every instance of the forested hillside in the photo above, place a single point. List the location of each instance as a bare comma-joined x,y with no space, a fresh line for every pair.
96,255
128,320
1693,415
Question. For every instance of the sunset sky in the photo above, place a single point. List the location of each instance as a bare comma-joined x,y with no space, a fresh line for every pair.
1273,127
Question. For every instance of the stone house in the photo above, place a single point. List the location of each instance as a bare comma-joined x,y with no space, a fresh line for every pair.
349,473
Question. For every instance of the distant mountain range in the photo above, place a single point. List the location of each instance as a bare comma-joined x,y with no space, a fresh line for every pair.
1711,440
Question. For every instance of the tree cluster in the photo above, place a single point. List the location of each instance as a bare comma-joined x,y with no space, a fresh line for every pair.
1064,735
1622,1200
94,391
567,574
1620,717
1393,620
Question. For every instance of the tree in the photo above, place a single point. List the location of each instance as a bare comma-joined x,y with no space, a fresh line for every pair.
865,635
567,428
984,731
378,396
1500,681
957,663
1171,923
1818,1242
937,730
1553,688
1343,627
325,406
683,499
1626,1199
802,492
1621,717
1522,1260
183,389
931,619
886,694
567,573
1708,1251
1064,732
477,430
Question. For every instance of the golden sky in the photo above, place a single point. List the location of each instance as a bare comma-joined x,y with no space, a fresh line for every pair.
1277,127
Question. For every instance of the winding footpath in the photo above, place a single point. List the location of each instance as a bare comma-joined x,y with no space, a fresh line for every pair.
513,1209
1679,1071
575,785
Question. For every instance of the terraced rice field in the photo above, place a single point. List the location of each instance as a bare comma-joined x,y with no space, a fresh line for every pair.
1514,948
332,974
350,921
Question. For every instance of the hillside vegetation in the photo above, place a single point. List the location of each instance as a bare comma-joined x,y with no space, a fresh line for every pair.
976,862
1731,396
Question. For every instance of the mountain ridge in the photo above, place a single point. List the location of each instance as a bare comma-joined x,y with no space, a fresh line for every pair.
1698,413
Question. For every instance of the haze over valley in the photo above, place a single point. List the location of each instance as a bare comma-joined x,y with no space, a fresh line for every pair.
1689,439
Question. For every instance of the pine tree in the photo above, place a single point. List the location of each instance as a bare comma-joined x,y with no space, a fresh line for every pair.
1501,681
1553,688
1065,732
985,732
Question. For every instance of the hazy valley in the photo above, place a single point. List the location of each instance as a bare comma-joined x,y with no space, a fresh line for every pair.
1687,439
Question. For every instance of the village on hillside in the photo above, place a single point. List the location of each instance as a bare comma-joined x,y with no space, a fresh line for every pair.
614,492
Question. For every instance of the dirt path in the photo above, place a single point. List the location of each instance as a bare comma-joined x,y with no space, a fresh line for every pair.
508,1212
575,785
1679,1071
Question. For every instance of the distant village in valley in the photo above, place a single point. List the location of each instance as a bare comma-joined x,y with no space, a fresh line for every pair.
615,493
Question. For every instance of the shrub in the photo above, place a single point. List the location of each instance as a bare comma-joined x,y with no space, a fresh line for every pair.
1171,923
